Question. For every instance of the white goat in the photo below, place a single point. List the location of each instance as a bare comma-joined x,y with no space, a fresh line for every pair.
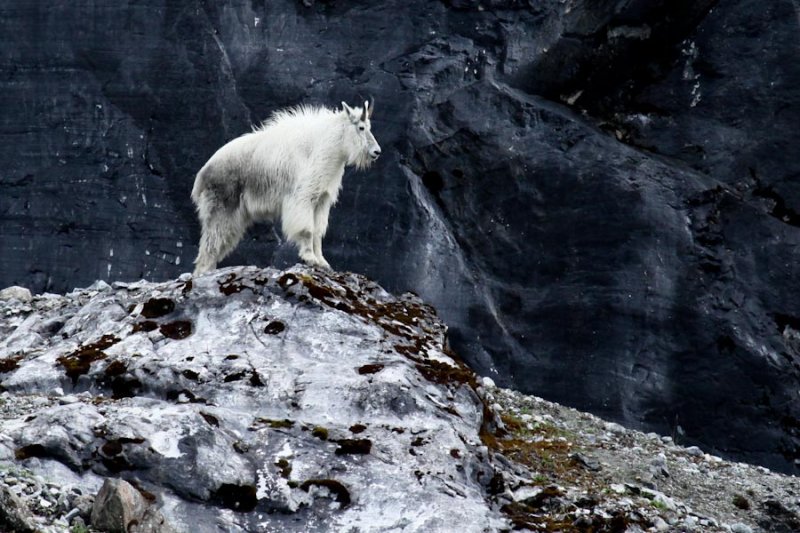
291,168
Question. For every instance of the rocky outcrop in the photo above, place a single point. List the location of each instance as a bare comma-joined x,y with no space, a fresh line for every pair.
252,400
300,400
598,197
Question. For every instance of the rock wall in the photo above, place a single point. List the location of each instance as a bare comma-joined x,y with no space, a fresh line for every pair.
598,197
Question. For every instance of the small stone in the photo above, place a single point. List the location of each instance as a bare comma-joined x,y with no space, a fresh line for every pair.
99,286
586,461
16,293
69,399
14,513
116,505
660,524
618,488
666,440
488,382
613,427
741,528
694,451
659,460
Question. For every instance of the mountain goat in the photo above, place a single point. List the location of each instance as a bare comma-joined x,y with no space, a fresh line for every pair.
291,168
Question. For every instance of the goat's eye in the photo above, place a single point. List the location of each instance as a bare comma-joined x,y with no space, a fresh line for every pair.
361,128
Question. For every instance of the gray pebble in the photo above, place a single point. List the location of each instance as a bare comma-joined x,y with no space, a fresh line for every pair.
694,451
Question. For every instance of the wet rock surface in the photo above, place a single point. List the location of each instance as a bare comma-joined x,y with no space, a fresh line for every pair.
598,197
242,425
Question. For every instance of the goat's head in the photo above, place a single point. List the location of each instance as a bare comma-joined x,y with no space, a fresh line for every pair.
359,142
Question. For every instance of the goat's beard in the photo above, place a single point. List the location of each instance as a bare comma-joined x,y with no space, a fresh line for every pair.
363,160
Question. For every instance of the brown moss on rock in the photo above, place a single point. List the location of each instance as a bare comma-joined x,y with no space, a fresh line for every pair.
8,364
320,432
144,325
179,329
370,369
353,447
157,307
284,467
115,368
271,423
80,361
230,285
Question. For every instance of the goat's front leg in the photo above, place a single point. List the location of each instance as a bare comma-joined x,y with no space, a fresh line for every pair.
321,212
298,227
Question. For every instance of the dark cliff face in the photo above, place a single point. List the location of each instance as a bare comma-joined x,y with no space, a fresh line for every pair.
601,199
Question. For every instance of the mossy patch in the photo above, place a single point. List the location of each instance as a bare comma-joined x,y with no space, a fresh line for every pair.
144,325
230,285
157,307
353,446
80,361
115,368
741,502
8,364
445,374
271,423
320,433
284,467
339,491
370,369
179,329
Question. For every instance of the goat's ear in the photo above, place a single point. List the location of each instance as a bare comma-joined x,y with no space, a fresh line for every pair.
365,111
371,107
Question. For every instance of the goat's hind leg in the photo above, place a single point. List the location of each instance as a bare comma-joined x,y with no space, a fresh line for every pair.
223,228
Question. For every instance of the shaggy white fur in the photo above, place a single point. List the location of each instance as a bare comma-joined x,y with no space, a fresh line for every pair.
289,168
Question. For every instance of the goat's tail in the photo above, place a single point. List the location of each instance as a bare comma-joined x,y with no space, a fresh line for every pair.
198,187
